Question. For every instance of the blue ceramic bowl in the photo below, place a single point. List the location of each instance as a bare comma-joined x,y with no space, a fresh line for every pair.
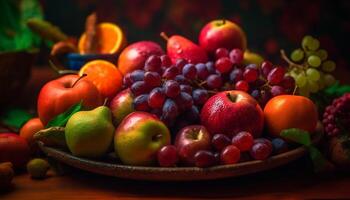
75,61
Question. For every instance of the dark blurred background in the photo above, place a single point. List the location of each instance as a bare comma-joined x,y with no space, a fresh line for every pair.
270,25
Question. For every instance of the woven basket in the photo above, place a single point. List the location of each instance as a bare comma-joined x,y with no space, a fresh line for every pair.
15,68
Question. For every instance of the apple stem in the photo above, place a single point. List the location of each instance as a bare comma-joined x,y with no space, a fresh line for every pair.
60,71
164,36
82,76
223,21
295,89
105,102
232,98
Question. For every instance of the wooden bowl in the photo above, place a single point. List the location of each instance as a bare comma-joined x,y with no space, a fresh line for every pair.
179,173
15,68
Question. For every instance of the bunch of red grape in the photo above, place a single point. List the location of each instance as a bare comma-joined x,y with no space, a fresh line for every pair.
262,82
336,117
168,90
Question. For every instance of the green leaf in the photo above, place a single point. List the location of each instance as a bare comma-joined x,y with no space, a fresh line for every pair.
61,119
15,117
337,89
318,160
297,135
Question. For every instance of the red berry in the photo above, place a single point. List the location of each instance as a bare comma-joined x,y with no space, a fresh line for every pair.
204,158
167,156
242,85
243,141
230,155
223,65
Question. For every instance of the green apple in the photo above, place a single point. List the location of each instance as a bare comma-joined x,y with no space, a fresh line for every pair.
139,137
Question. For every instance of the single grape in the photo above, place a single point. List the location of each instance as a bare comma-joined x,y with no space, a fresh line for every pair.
152,79
243,141
189,71
329,79
184,101
322,54
211,67
170,109
230,155
301,80
236,56
264,141
312,86
223,65
156,98
221,52
255,94
127,80
260,151
250,75
192,114
180,63
314,61
220,141
266,67
306,41
165,60
153,63
200,96
171,88
312,74
139,87
182,80
314,45
242,85
310,43
236,75
276,75
214,81
288,83
137,75
167,156
297,55
202,71
141,103
277,90
186,88
204,158
171,72
279,146
328,66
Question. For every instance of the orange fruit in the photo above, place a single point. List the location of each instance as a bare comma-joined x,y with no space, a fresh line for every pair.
290,111
104,75
110,39
30,128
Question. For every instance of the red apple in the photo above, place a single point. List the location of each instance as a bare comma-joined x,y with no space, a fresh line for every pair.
139,137
134,56
59,95
231,112
222,33
190,140
121,105
14,149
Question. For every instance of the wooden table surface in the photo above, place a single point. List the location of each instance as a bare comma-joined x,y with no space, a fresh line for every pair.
293,181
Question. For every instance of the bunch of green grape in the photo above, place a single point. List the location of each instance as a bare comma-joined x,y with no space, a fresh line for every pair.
310,67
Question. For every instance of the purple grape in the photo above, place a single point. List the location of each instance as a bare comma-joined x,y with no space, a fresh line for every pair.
214,81
277,90
141,103
200,96
211,67
127,81
236,56
192,114
137,75
288,83
189,71
266,67
170,111
276,75
171,72
236,75
184,101
156,98
180,63
255,94
153,63
152,79
252,66
202,71
139,87
186,88
171,88
165,60
181,79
